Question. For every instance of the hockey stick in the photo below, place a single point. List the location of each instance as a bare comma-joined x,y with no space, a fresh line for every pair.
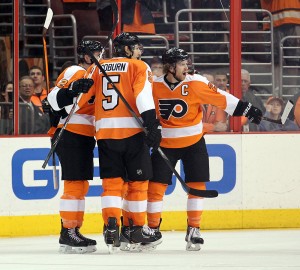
53,147
187,189
288,107
48,20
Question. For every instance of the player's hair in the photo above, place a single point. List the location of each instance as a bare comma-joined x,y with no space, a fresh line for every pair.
122,40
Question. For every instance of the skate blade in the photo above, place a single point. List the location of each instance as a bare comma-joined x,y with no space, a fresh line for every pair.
125,246
65,249
151,246
91,249
192,247
112,249
144,247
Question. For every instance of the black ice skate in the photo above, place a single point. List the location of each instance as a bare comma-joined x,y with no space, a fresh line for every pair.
125,238
111,235
156,229
193,239
70,242
143,238
91,243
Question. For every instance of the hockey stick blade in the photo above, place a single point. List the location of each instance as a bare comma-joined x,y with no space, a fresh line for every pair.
196,192
48,20
288,107
192,191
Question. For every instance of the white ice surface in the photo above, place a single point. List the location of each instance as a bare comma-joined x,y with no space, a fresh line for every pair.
222,250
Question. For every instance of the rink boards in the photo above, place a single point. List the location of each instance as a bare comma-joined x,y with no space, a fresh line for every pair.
257,176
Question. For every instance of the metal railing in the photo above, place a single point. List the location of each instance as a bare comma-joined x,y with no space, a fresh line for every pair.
6,18
289,66
208,43
154,45
63,40
32,19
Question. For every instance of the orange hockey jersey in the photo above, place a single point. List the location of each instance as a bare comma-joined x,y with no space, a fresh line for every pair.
133,78
82,121
180,111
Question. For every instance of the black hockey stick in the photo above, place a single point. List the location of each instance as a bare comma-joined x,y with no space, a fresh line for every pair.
288,107
116,20
192,191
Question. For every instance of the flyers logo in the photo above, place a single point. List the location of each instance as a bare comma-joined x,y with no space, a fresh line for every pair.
62,83
172,107
212,87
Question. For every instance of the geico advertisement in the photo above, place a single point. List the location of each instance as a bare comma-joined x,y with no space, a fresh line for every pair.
26,188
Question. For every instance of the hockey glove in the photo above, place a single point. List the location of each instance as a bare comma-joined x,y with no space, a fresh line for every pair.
46,106
80,86
153,136
247,109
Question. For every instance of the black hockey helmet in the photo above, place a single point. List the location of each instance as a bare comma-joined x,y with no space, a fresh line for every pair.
125,39
91,44
173,55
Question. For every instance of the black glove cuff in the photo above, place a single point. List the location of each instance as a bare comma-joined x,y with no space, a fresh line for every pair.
242,108
149,117
64,97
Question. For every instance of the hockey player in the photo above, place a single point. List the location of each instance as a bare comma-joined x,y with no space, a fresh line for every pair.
178,97
75,148
123,152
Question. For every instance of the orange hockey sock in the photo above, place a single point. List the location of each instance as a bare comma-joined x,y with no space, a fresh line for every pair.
156,192
72,203
195,205
136,201
111,198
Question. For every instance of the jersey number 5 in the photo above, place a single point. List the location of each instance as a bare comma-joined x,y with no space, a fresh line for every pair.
111,96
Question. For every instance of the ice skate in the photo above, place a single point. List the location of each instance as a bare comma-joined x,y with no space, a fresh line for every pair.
142,238
193,239
91,243
125,238
156,229
70,242
111,235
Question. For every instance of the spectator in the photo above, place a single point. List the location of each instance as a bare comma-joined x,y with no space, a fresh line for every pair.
105,15
8,92
7,96
248,94
40,93
214,119
286,22
137,19
274,109
32,120
217,119
156,67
